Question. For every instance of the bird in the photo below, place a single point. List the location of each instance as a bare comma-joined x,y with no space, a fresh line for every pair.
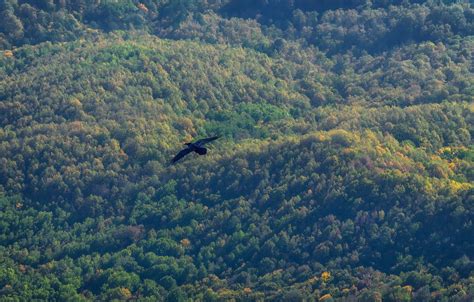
197,147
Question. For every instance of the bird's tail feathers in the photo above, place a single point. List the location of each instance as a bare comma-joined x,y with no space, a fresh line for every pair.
201,151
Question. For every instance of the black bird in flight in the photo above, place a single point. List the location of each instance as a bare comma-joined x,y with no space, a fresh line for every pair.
197,147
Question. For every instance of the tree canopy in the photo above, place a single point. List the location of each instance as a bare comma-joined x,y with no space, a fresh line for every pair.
344,171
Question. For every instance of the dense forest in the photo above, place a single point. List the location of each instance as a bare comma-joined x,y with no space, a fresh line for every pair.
344,171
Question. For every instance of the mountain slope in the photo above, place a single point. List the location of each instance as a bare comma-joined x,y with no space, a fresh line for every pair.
341,175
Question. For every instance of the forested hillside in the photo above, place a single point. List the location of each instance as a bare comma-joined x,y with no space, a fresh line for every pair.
345,170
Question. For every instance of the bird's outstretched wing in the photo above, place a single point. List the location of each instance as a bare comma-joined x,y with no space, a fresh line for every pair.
204,141
181,154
